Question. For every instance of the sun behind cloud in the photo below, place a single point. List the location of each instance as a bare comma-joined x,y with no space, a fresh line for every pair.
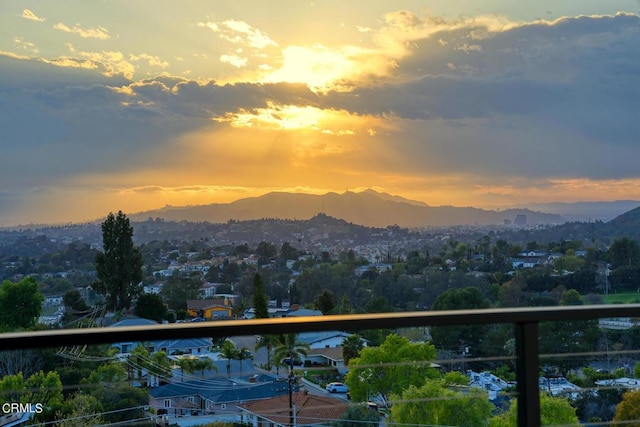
304,118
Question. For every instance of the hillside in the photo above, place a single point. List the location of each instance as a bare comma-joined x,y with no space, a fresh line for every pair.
368,208
626,225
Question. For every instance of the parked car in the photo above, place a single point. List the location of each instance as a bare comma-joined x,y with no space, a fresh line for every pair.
337,388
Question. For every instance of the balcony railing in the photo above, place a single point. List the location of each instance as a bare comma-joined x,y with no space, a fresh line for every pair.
524,320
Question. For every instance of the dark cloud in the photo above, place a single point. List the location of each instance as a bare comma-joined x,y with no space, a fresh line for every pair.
537,100
60,122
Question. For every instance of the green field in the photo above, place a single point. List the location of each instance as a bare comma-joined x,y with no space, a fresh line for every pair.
622,298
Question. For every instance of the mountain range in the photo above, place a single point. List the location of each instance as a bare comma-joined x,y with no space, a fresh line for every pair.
369,208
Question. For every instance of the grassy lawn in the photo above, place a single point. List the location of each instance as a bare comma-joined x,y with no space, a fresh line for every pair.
622,298
321,376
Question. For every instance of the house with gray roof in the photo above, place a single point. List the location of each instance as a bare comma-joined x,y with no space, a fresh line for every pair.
214,395
325,339
194,346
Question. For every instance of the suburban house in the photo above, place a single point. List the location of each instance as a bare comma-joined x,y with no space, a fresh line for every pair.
152,289
308,410
292,311
331,356
325,339
193,346
492,384
296,311
210,309
250,313
526,262
214,395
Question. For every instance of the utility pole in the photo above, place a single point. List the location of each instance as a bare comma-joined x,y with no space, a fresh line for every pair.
291,379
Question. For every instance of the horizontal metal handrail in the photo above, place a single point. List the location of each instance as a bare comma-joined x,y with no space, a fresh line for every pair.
217,329
525,321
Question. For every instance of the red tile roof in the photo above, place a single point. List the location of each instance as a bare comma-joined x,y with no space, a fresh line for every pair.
309,409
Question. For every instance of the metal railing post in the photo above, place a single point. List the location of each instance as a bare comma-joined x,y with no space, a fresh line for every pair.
527,374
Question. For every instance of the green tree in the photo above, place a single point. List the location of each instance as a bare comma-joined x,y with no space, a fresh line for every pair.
109,374
358,416
243,354
119,265
269,342
597,404
187,364
121,402
457,338
203,364
228,351
82,410
569,263
390,368
288,252
571,297
266,252
260,304
292,348
435,403
73,301
624,252
553,411
177,290
20,304
510,294
629,409
151,306
44,388
138,362
325,302
351,347
155,366
570,337
159,367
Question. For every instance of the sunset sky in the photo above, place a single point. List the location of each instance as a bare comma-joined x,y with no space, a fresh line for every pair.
113,105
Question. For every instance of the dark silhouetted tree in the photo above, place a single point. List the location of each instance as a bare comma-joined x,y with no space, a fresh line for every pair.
454,337
151,306
260,304
351,347
119,265
325,302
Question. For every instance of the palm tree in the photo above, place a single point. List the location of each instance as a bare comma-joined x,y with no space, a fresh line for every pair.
159,366
186,364
203,364
243,354
269,342
290,347
138,360
228,351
